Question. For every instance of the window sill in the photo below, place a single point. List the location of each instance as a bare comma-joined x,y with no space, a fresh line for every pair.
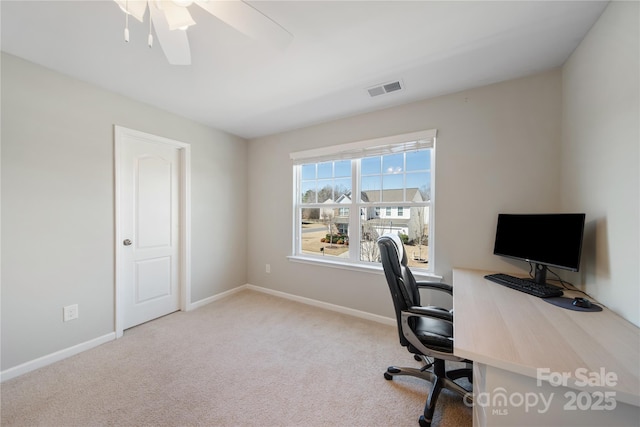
366,268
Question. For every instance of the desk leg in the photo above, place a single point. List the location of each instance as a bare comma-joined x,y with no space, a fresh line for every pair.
503,398
479,376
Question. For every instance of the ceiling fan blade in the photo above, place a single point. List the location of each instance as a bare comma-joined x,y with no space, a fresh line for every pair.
248,20
178,17
135,8
174,43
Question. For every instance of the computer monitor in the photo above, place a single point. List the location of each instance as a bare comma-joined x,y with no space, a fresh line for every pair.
547,240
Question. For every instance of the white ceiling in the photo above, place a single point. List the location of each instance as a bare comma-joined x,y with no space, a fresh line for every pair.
245,87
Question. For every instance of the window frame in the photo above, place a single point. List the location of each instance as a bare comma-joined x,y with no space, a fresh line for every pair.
358,150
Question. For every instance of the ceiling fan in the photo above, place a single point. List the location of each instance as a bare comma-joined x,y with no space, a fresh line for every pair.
170,19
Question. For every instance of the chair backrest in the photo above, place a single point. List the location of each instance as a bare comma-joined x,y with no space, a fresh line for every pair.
402,284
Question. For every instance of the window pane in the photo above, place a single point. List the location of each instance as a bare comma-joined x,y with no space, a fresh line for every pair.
370,185
410,223
309,216
325,190
370,165
323,233
368,243
419,160
343,168
418,238
309,171
308,189
325,170
392,163
421,181
326,187
393,188
342,187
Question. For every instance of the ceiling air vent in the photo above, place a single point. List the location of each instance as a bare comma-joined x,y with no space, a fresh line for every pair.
384,88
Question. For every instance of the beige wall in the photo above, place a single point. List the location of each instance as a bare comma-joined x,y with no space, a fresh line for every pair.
58,207
562,140
498,150
566,140
600,155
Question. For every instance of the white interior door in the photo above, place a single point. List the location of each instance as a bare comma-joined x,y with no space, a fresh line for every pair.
149,238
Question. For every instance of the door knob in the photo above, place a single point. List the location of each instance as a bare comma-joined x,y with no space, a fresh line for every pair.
126,242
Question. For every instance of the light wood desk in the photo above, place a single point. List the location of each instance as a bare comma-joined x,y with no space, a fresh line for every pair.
521,346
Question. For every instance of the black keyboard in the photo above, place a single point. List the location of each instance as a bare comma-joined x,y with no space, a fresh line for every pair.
525,285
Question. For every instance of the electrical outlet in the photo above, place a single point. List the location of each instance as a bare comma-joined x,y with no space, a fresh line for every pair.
70,312
268,268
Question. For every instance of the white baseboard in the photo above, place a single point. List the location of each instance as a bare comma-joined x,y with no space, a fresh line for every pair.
213,298
67,352
328,306
54,357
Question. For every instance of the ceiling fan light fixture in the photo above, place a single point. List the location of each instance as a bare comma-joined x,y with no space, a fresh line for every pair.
178,17
177,26
166,16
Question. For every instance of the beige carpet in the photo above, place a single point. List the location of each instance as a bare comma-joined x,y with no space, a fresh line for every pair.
248,360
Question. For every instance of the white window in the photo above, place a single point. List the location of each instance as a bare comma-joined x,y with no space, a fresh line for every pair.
340,191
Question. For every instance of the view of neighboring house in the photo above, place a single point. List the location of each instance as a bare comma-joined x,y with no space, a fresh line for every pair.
410,220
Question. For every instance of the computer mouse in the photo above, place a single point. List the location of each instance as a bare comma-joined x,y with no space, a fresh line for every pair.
581,302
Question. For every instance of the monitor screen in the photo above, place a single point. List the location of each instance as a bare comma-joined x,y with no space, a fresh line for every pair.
547,239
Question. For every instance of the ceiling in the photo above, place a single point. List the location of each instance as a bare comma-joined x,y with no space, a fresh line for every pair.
339,50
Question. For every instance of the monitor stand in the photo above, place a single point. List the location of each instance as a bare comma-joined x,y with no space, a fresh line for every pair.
541,277
541,274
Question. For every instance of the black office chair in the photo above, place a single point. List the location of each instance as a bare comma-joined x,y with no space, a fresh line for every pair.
427,332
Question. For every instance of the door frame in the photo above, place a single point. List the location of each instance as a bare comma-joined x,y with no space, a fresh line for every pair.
120,134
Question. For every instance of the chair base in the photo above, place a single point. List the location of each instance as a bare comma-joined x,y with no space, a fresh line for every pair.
440,378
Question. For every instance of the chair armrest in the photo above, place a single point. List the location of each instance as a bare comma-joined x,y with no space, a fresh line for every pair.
430,312
411,336
437,286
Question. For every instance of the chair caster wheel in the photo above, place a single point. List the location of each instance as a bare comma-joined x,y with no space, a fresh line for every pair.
423,422
388,376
